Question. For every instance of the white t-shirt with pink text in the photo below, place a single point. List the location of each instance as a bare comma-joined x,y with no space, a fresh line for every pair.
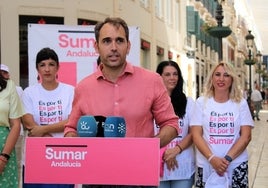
221,123
48,107
186,159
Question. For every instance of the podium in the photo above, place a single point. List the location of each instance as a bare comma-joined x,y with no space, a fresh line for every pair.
76,160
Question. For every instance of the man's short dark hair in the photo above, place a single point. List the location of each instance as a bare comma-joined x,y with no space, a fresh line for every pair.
117,22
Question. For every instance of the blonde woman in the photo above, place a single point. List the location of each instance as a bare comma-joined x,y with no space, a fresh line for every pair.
221,129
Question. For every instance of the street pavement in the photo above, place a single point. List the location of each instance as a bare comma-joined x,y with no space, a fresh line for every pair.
258,152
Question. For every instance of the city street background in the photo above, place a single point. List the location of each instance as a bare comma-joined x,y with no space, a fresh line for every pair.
260,14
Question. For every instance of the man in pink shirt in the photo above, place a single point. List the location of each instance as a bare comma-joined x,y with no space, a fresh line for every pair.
118,88
121,89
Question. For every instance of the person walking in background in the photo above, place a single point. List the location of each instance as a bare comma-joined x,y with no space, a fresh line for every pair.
5,73
245,93
221,129
11,111
178,170
256,99
118,88
263,95
266,96
47,104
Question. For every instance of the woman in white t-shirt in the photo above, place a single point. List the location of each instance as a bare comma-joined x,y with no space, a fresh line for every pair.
221,129
47,104
178,156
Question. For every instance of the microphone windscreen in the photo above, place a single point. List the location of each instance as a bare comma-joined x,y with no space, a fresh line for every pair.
87,126
100,123
114,126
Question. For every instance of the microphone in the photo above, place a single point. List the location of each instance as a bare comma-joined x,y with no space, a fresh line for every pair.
114,126
100,123
87,126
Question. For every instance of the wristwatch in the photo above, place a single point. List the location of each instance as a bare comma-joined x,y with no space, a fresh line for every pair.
228,158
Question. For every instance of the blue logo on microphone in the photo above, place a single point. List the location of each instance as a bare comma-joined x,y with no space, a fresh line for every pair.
115,126
87,126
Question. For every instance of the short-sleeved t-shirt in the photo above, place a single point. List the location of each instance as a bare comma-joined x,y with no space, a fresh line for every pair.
10,104
48,107
221,124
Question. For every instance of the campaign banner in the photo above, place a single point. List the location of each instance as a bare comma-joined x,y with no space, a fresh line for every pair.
75,48
113,161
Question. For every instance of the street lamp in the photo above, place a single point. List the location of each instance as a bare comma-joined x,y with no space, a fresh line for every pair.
249,61
219,31
258,55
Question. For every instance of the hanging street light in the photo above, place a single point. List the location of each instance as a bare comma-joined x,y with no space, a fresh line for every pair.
249,61
219,31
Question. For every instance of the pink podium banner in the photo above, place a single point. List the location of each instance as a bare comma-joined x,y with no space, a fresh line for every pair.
113,161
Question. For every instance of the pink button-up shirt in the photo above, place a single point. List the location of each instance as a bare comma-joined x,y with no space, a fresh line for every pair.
139,95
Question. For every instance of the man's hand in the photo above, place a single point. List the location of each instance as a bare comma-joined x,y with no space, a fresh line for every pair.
71,134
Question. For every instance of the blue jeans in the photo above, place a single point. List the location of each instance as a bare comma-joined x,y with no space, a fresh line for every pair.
186,183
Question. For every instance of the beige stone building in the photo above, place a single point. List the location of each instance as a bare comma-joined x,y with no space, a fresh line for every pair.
169,29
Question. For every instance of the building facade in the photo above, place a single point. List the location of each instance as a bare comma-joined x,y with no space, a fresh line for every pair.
169,30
